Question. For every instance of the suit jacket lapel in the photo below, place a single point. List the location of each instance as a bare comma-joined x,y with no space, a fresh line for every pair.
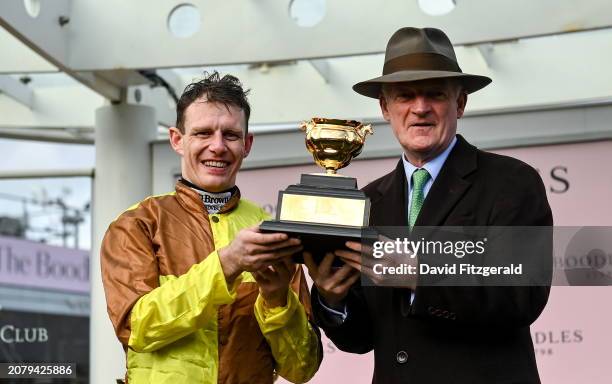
450,185
389,206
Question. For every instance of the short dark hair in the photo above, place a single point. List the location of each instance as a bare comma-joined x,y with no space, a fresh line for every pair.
226,90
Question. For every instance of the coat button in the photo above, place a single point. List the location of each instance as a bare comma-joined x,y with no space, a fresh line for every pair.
401,357
215,219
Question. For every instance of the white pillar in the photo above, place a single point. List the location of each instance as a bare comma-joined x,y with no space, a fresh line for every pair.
123,136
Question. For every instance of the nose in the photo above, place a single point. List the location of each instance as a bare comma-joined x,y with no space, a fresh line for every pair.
421,105
217,143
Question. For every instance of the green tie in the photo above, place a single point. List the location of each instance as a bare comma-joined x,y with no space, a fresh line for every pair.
419,179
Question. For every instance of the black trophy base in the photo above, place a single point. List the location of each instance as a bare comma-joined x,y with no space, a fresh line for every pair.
319,239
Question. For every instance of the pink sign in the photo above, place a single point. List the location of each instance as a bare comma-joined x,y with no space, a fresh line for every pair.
578,180
572,337
29,264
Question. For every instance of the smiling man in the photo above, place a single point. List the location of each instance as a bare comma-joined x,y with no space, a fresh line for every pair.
436,334
195,292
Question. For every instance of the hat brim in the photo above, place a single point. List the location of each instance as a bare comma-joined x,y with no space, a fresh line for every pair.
372,87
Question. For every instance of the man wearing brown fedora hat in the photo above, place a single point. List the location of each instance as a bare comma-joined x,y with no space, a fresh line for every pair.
436,334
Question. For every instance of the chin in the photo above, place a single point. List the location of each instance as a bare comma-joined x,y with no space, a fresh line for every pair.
420,147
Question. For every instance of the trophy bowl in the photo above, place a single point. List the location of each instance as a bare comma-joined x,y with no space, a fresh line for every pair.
333,142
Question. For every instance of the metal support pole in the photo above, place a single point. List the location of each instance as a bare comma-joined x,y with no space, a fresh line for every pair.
123,134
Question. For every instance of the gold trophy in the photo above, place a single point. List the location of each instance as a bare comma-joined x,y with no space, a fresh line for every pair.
326,209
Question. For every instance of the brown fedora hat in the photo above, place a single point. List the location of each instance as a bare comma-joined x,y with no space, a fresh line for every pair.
419,54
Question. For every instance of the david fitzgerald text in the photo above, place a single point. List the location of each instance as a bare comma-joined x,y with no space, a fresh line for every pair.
446,269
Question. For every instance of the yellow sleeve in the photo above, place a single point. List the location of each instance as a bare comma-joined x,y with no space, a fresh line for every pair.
295,344
180,306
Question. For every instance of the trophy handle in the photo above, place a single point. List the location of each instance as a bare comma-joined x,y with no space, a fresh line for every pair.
306,126
365,130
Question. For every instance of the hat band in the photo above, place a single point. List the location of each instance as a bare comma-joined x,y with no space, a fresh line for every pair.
421,62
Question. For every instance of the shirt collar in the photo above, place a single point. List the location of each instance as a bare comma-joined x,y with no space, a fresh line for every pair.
433,166
191,198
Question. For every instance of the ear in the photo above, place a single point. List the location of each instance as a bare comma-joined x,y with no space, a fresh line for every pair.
176,140
248,143
461,102
382,101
